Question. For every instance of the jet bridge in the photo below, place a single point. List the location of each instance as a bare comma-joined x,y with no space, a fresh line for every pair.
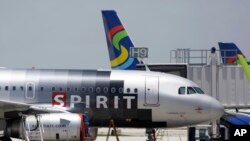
227,83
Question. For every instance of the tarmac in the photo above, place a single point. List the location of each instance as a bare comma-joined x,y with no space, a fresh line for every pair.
132,134
177,134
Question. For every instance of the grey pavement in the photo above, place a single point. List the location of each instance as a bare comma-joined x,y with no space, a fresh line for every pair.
177,134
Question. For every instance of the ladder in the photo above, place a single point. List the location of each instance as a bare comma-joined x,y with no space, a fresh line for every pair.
30,135
112,125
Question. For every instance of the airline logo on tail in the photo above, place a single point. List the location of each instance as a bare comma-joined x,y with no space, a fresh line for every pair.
118,42
229,52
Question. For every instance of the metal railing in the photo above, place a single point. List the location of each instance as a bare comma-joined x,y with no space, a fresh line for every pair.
199,57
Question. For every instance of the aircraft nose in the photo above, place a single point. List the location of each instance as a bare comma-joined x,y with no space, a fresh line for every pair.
217,109
213,109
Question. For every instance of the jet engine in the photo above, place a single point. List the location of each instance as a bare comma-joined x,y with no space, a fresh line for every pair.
49,127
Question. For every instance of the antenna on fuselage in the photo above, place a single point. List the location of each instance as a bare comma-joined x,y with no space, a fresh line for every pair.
140,53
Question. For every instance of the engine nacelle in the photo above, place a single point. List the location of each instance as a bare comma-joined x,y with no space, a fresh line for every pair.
55,127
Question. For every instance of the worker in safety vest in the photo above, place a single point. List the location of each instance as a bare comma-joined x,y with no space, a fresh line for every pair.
86,123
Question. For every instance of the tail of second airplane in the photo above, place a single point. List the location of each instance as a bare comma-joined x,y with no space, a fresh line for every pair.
229,52
118,41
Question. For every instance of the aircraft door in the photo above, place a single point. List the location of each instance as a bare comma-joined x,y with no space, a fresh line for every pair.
30,90
152,91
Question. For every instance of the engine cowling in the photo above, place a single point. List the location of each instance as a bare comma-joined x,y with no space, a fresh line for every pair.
59,127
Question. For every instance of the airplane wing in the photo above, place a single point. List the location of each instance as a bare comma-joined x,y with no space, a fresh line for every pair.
9,106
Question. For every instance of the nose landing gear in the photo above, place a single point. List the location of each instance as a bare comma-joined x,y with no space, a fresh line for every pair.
151,134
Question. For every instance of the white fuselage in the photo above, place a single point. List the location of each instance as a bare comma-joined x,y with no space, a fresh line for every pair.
132,98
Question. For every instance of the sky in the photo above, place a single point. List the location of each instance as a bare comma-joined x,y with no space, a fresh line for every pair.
69,34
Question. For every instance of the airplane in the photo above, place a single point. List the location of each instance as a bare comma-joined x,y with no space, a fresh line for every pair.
52,102
231,54
131,98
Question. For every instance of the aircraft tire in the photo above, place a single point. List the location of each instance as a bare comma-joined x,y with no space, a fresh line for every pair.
4,138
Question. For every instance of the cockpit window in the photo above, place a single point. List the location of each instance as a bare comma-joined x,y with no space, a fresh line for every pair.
182,90
190,90
198,90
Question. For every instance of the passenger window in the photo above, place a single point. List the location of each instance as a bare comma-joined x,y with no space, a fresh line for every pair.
76,89
120,90
98,90
128,90
68,89
135,90
105,90
83,89
91,89
60,89
53,88
190,90
14,88
182,90
41,88
113,90
21,88
30,88
6,88
198,90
